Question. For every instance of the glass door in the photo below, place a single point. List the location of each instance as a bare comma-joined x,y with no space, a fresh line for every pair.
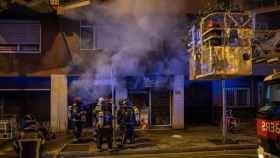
161,107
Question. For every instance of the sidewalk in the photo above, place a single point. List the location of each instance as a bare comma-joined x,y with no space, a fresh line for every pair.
196,138
7,151
199,138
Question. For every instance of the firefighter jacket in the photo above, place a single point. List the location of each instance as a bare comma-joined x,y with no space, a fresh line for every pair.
105,119
121,118
108,120
137,114
76,111
129,117
96,110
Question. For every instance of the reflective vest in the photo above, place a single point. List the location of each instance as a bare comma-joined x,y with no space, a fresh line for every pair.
105,119
100,118
136,113
75,113
97,109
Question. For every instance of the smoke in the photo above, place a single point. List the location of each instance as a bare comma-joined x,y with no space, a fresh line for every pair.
141,37
93,82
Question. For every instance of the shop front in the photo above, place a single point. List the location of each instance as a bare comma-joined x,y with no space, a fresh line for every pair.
153,96
25,95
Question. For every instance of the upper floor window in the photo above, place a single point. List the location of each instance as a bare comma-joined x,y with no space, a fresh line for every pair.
87,36
20,36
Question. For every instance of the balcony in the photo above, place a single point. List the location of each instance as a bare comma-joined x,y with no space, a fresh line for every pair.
63,5
257,4
267,46
262,6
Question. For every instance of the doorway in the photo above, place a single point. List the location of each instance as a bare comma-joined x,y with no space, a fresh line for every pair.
161,107
141,100
154,106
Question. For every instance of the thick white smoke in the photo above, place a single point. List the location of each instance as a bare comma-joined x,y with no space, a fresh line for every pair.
143,37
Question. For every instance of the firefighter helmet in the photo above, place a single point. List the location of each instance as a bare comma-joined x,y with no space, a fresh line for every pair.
77,99
100,101
123,102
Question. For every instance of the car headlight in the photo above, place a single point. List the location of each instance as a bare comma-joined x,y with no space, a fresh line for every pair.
260,156
260,152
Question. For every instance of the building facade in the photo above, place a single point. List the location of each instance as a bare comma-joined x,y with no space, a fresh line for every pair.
47,58
92,51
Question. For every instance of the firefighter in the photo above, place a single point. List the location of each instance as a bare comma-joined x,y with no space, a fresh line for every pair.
121,121
28,122
130,123
136,114
105,127
29,140
215,26
76,112
95,111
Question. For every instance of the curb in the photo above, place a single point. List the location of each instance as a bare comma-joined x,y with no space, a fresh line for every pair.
158,151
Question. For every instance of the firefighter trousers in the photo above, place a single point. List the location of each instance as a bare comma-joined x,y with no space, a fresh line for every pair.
106,133
129,134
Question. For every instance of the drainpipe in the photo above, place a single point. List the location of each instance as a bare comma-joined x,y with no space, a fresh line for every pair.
150,108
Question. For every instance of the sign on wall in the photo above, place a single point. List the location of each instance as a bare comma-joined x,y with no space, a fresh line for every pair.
154,81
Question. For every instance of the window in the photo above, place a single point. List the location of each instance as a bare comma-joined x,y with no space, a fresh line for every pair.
87,36
237,97
272,93
260,93
20,36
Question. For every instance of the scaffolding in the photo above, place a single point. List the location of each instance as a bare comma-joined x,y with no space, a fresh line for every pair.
221,46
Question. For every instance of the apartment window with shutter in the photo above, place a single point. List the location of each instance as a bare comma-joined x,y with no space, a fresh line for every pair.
20,36
87,36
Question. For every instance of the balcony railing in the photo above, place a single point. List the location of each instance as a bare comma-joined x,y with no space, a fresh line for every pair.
267,46
62,5
67,2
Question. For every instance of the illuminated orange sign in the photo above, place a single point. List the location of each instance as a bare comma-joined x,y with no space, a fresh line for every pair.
268,128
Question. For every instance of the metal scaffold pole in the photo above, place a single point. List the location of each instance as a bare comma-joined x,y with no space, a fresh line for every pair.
2,108
113,106
224,112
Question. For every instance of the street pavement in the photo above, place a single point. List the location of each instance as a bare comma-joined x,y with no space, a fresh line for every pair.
205,154
192,139
166,142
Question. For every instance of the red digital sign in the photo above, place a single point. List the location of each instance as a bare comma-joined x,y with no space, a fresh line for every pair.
268,128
